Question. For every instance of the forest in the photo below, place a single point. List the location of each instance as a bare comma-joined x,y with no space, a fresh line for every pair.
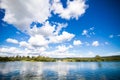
48,59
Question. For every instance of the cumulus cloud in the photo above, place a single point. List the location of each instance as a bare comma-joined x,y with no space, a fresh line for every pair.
63,48
65,36
10,51
95,43
23,13
10,40
39,11
89,32
74,8
46,30
38,40
14,51
91,54
85,32
42,37
77,42
49,34
25,45
61,55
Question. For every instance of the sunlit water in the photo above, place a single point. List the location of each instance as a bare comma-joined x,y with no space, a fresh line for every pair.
59,70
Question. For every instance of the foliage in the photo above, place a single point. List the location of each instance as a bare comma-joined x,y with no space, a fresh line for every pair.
48,59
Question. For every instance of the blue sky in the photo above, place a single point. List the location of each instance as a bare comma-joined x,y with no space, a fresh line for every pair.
60,28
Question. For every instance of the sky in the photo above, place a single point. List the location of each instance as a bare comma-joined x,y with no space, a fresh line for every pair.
59,28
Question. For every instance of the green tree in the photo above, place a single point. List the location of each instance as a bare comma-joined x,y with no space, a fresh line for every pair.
98,58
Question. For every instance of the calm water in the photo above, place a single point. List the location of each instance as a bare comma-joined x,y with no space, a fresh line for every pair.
59,70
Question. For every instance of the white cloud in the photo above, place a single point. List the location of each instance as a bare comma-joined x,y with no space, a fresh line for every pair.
95,43
42,49
10,40
39,11
45,35
91,54
14,51
23,13
49,34
25,44
38,40
63,48
10,50
61,55
85,32
60,27
65,36
45,30
89,32
77,42
74,8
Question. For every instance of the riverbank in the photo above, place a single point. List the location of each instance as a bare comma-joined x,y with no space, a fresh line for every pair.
48,59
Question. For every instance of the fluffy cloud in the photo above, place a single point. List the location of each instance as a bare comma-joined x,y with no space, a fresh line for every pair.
95,43
61,55
65,36
91,54
46,30
10,51
89,32
77,42
85,32
74,8
25,44
10,40
63,48
39,11
46,35
59,51
38,40
49,34
23,13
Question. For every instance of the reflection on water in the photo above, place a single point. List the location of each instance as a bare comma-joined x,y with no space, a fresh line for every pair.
59,70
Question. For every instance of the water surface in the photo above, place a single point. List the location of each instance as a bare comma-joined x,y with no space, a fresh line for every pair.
59,70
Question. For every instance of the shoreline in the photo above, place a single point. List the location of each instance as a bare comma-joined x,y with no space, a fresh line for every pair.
48,59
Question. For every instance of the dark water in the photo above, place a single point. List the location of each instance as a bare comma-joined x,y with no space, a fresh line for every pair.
59,70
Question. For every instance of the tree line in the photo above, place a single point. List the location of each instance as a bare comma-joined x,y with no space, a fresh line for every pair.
48,59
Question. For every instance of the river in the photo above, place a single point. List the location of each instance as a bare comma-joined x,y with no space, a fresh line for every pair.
59,70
